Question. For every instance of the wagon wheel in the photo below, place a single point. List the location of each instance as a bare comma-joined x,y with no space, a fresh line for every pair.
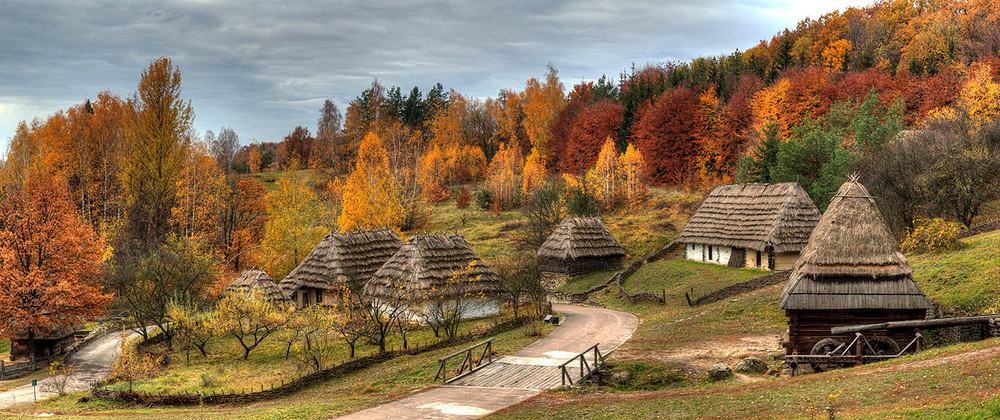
825,347
880,346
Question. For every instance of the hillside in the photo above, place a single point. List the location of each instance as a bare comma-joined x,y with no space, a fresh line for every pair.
680,342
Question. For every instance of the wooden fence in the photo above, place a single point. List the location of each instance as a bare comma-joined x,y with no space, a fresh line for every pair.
101,389
587,369
470,363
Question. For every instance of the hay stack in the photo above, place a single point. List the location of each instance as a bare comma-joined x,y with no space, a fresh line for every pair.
580,245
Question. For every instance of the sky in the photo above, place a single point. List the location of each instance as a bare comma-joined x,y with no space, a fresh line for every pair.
263,67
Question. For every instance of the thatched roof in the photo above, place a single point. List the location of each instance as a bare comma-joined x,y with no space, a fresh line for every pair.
427,263
256,279
581,237
345,258
852,261
754,216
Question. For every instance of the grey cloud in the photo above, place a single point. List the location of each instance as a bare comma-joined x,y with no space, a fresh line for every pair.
263,67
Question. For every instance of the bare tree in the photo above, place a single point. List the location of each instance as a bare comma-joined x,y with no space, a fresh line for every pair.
224,147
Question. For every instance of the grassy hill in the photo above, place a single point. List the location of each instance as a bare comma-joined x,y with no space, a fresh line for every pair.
963,280
956,381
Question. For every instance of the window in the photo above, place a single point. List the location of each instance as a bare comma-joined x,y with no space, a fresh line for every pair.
305,298
758,259
319,296
710,253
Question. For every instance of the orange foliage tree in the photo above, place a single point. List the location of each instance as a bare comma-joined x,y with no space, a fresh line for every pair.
50,262
503,176
371,195
241,225
533,175
200,192
542,103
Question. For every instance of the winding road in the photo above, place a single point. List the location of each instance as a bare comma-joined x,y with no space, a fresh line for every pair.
517,377
90,363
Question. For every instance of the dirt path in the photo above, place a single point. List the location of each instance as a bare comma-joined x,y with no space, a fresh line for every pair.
582,328
92,362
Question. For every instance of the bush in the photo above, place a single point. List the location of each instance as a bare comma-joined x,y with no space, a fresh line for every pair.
932,235
436,194
484,199
580,203
463,200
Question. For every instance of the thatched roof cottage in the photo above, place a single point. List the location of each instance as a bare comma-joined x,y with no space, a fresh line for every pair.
850,273
580,245
762,226
256,280
423,273
341,258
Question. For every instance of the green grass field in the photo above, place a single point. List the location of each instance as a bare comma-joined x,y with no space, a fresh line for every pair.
955,382
353,392
965,279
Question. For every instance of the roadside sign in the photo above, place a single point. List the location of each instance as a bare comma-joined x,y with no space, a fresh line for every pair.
34,392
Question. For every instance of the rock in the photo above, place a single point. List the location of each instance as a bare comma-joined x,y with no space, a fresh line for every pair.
751,365
719,372
621,376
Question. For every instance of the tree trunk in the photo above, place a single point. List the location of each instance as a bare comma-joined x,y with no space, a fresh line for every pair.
31,346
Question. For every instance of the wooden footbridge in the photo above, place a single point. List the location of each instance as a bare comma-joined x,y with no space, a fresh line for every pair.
472,383
478,369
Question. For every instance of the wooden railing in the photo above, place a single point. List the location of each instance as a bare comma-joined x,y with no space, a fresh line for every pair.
470,363
587,369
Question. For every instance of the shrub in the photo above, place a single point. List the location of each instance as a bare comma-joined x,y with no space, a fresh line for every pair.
932,235
436,194
463,200
580,203
484,199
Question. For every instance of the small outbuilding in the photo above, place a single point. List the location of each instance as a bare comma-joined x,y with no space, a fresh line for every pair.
761,226
47,344
431,270
581,245
341,259
253,280
850,273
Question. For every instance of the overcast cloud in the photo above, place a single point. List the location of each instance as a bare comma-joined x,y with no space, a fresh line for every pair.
263,67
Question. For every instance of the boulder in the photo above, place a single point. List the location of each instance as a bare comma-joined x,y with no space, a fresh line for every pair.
620,376
719,372
751,365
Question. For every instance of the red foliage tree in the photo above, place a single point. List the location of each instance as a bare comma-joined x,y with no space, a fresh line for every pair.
581,96
666,135
297,145
50,262
592,127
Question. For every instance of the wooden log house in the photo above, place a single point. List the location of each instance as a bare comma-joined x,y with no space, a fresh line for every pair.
580,245
433,270
253,280
760,226
851,273
340,259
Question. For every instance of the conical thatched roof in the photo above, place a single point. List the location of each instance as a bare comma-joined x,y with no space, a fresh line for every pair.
581,237
256,279
428,262
754,216
344,257
852,261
